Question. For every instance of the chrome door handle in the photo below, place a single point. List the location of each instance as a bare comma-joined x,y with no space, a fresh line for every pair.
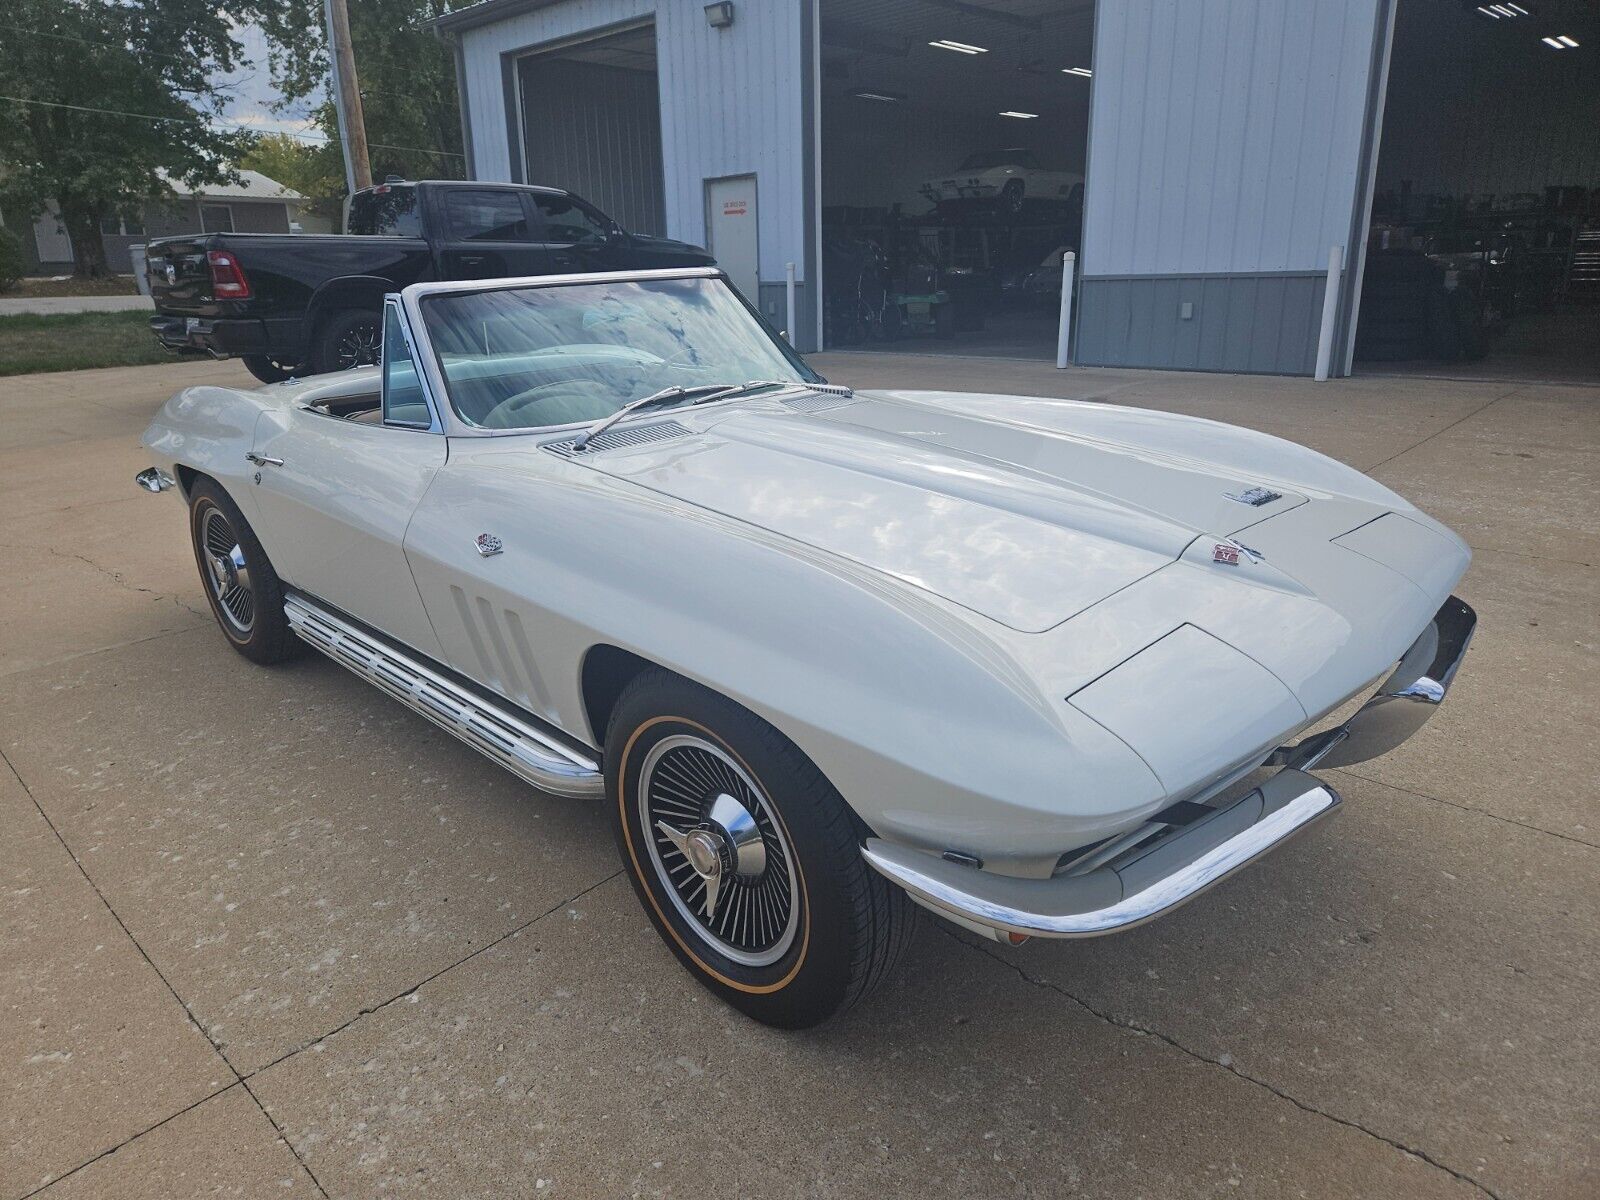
263,460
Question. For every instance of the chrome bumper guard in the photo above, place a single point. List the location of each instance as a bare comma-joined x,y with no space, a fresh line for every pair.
1126,892
1401,705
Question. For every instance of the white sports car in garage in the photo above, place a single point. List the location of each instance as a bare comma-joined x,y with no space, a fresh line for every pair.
822,653
1008,176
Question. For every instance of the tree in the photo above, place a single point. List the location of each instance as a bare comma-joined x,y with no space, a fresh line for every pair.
407,76
109,99
313,169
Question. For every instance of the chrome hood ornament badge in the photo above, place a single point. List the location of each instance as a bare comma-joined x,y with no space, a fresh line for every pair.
1255,497
488,544
1229,551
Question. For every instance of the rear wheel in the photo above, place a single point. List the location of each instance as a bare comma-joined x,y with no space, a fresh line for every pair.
746,859
245,593
351,337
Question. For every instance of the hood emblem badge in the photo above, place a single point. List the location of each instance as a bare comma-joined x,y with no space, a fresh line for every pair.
1255,497
488,544
1230,551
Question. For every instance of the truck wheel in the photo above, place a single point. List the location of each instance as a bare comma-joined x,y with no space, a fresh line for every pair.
350,337
746,859
268,369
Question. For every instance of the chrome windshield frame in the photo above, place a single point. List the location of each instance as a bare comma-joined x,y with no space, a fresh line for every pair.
412,298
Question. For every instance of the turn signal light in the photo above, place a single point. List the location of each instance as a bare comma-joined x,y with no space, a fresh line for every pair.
228,280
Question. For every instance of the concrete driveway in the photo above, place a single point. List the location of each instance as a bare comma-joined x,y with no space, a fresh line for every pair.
266,933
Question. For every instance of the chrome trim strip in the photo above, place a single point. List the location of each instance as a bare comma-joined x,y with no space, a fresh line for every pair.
1402,704
1048,911
488,728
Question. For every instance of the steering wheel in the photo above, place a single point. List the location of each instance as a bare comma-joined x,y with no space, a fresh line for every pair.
508,413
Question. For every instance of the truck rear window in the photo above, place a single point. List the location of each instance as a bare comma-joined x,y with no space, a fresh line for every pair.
385,212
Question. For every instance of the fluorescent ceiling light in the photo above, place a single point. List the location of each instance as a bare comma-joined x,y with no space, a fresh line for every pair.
959,47
1553,43
1021,116
1084,71
1488,12
1516,8
1566,41
886,97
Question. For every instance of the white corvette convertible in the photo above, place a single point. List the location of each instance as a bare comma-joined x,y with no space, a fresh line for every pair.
823,654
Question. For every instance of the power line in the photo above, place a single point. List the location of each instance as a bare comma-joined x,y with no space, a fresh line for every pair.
101,42
236,126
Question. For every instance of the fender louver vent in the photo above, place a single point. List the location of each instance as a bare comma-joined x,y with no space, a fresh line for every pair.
815,402
616,439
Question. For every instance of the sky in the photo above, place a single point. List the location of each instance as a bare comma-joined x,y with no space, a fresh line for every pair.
252,99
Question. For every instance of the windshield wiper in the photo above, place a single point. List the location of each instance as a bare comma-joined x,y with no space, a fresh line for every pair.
705,392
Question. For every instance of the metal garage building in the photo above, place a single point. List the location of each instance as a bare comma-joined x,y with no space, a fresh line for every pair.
1226,147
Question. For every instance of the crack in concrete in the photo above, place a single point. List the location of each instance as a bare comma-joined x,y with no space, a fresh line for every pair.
1466,808
182,1003
1441,432
1135,1027
417,987
114,576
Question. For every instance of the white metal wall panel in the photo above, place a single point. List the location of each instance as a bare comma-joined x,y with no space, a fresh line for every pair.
731,104
1225,135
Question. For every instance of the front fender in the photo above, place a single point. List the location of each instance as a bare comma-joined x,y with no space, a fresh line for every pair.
208,429
935,734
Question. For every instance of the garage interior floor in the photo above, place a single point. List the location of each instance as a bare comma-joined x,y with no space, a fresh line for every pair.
268,933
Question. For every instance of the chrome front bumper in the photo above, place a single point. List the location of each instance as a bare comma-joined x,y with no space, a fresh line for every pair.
1403,702
1126,892
1173,866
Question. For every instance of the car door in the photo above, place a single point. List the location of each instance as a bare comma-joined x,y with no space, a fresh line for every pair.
575,235
333,495
488,234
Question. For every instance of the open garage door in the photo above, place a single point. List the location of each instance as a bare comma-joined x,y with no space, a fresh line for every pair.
1483,256
953,149
591,123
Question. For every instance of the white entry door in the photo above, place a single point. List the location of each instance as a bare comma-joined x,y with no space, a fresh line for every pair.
731,231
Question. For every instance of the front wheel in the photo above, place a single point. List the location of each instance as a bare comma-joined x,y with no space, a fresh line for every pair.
746,859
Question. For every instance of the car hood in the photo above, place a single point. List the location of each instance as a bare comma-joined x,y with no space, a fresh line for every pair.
1025,511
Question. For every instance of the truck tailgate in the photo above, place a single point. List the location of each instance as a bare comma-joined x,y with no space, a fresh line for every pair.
180,279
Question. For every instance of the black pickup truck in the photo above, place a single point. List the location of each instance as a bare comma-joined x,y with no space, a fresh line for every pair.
301,304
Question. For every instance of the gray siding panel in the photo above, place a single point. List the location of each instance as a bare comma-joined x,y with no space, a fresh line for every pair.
1225,156
1265,324
1226,134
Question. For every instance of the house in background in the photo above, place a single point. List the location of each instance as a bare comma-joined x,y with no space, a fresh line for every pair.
255,204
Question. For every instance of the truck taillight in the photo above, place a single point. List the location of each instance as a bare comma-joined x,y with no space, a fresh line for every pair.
227,277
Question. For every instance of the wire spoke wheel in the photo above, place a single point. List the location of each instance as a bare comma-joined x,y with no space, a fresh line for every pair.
725,863
227,571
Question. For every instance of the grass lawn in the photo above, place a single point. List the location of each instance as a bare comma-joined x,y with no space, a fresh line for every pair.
74,341
110,285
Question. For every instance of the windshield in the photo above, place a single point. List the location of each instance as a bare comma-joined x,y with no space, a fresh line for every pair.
532,357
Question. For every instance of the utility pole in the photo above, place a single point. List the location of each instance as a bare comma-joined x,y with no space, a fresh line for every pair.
347,97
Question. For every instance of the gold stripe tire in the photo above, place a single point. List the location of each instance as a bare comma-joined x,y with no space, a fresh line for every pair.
848,926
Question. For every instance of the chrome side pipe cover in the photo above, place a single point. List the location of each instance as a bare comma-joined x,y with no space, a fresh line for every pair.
1113,897
491,729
